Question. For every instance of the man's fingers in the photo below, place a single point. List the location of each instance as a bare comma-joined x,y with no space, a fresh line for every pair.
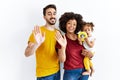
36,29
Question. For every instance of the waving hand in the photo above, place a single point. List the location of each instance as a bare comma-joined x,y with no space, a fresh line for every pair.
61,39
38,35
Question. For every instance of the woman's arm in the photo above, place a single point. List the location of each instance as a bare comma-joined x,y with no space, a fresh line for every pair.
61,54
87,53
62,42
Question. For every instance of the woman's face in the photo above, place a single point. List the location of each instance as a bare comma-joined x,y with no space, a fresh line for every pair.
71,26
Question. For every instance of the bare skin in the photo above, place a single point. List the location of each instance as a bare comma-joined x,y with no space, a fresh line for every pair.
39,37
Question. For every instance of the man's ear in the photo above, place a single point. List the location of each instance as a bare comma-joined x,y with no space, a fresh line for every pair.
44,17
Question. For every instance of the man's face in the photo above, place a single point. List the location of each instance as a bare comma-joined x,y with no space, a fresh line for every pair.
50,16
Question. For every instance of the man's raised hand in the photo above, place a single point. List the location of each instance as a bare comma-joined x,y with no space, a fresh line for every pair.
38,35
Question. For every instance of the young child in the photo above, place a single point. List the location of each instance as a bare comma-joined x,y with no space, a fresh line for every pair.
88,43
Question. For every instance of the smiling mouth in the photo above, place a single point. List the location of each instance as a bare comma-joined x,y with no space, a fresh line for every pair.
52,18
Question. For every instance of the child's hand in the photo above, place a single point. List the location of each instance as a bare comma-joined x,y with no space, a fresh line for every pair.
86,39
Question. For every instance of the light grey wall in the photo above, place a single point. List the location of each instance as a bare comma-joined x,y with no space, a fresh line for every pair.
18,17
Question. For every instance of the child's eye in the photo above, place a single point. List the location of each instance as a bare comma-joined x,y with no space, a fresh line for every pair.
68,23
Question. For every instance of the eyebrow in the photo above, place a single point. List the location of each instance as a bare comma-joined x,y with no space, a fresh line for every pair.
51,11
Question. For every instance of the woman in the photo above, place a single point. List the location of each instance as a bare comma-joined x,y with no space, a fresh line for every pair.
70,51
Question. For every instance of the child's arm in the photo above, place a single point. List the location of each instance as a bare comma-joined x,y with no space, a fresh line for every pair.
90,43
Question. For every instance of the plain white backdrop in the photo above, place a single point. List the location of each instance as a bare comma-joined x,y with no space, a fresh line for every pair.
18,17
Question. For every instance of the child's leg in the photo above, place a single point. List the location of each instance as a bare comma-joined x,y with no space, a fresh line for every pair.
87,66
92,69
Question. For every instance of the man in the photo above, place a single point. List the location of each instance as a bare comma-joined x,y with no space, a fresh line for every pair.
42,41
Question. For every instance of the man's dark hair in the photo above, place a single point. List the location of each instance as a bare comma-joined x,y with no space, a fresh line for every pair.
48,6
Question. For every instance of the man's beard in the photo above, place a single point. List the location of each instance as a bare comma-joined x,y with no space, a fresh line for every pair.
51,22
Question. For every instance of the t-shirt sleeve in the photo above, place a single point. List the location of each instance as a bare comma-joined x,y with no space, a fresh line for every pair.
58,46
31,38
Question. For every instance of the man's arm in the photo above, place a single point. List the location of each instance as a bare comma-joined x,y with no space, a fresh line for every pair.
30,49
39,37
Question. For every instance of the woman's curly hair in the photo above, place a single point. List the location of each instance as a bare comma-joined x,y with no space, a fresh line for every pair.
70,16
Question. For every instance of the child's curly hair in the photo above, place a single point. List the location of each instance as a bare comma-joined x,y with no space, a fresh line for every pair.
90,24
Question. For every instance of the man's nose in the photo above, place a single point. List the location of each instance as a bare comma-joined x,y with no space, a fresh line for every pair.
53,15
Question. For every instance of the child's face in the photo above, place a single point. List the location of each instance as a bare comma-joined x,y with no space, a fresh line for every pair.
87,29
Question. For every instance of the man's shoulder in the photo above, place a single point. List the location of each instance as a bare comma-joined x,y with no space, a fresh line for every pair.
41,26
57,29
